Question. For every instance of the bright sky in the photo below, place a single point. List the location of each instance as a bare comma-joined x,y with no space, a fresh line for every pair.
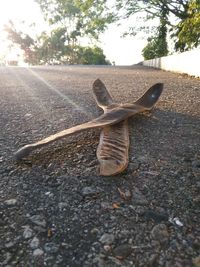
123,51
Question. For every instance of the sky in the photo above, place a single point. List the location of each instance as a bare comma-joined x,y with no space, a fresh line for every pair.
122,51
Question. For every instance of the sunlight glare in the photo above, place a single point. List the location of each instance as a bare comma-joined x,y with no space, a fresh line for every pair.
66,98
17,11
122,51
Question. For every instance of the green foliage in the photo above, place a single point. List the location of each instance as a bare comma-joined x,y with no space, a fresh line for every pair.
18,37
25,42
157,45
155,48
188,30
185,29
54,49
70,21
79,18
148,51
154,8
91,56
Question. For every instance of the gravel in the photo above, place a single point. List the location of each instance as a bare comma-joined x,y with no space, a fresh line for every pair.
28,232
107,239
34,243
56,210
38,252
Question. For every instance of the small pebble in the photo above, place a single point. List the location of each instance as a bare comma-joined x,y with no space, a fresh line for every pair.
28,232
107,239
138,198
122,252
10,202
160,233
51,248
155,216
106,206
107,248
128,194
28,115
9,244
133,166
63,205
34,243
176,221
38,252
94,231
196,164
89,191
38,220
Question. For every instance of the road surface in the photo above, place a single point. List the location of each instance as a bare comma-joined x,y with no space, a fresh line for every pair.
55,208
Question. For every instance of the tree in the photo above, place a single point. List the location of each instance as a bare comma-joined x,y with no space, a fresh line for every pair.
70,21
185,12
25,42
91,56
78,18
52,48
153,48
188,30
157,45
154,7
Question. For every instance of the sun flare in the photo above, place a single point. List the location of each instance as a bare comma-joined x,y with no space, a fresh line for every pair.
17,11
122,51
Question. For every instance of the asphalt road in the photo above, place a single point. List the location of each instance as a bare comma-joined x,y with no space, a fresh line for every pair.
56,210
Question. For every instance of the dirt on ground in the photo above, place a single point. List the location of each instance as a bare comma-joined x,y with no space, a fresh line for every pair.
57,211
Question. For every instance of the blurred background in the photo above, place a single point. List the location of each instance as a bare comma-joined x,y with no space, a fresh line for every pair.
95,32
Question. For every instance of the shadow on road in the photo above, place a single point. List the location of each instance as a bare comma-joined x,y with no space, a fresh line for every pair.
159,133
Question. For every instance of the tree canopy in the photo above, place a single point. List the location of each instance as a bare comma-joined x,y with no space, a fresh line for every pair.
78,18
188,30
182,18
71,21
157,45
53,49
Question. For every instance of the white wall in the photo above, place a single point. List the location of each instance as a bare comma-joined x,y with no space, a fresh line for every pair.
186,62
